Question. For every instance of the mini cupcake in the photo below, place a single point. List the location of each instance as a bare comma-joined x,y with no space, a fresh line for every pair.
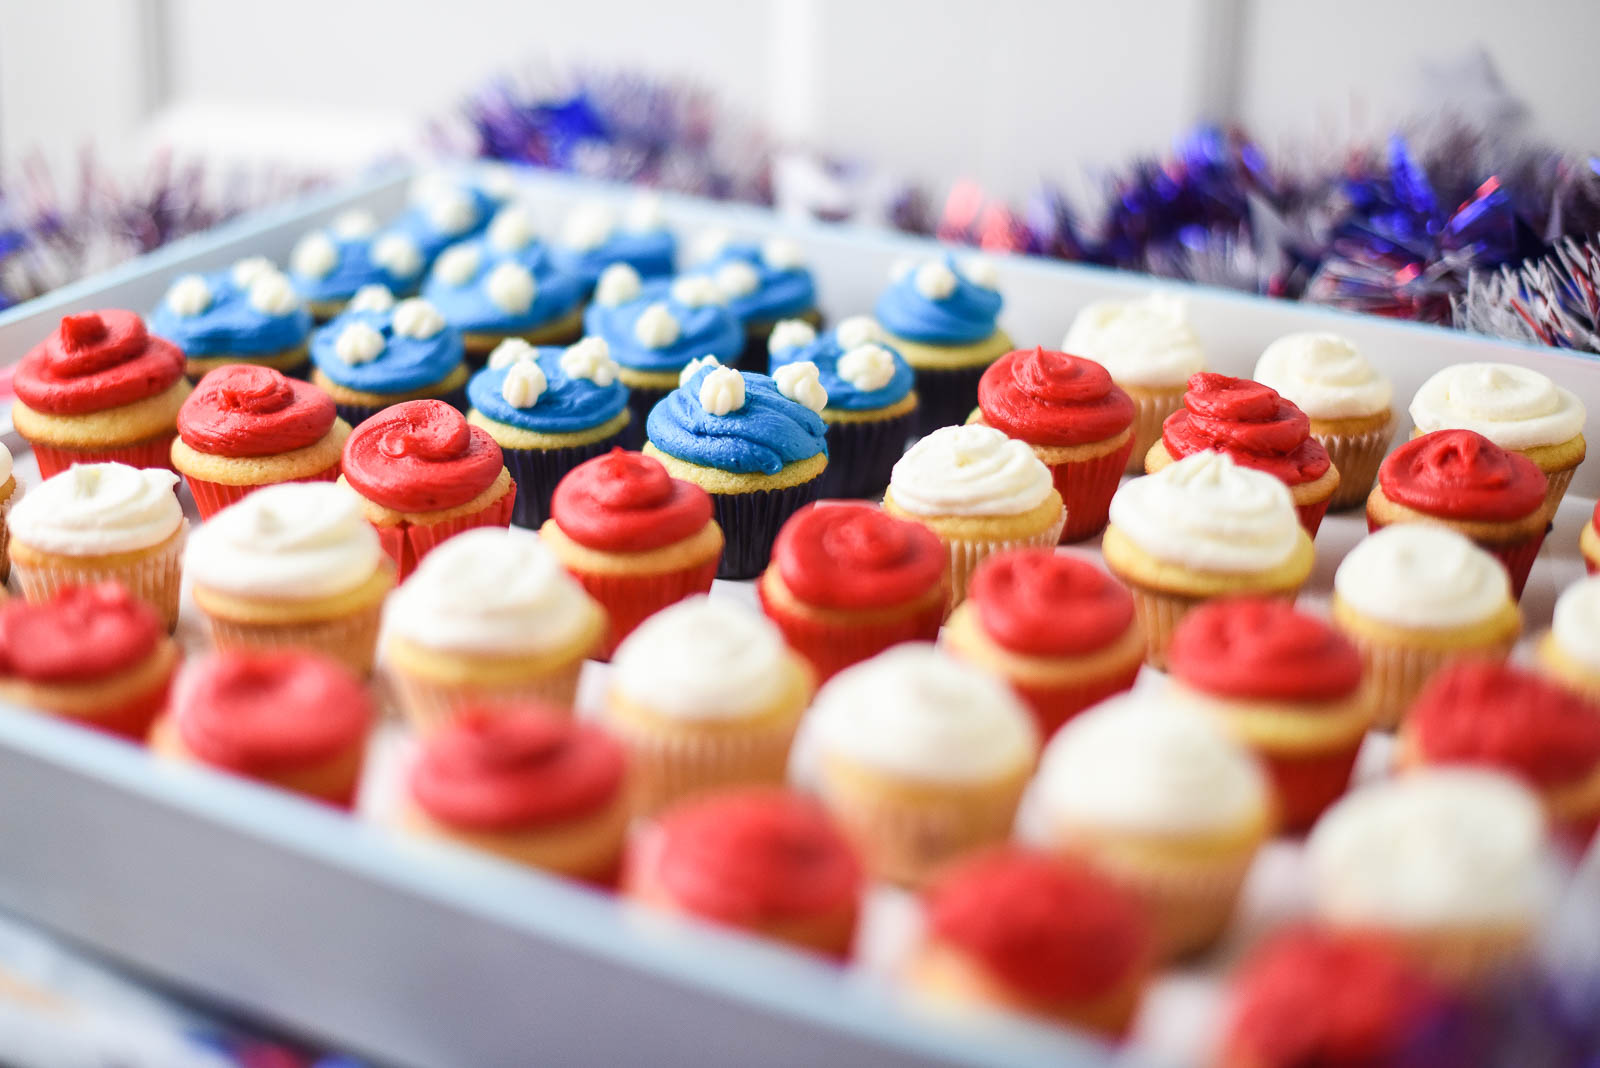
1349,403
10,492
941,318
1256,428
246,427
871,406
249,313
636,538
101,523
549,410
1285,685
329,266
99,389
596,236
444,210
1033,933
525,785
1056,627
94,655
764,283
756,444
920,758
1163,802
294,720
1077,421
1199,529
489,621
849,580
425,475
1415,597
1570,652
375,355
704,694
293,567
1589,543
1150,351
980,491
1462,480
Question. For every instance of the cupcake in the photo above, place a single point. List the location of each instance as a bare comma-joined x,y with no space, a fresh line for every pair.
980,491
425,475
1415,597
1077,421
98,389
101,523
1287,686
1159,799
1349,403
1055,627
1462,480
1032,933
764,283
1199,529
290,719
1570,652
595,236
849,580
489,621
636,538
330,265
10,492
1589,543
444,210
94,655
249,313
920,758
245,427
1257,429
1150,351
704,694
549,410
941,318
526,785
292,567
871,406
756,444
373,356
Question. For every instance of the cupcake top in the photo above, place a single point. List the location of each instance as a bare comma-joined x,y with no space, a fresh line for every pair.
938,302
859,371
596,235
251,308
1146,342
969,470
1420,575
1250,423
1051,398
420,456
549,390
1038,602
245,410
625,502
1576,626
1460,474
397,349
915,713
661,325
703,660
444,211
79,634
854,556
1262,649
1514,407
479,286
740,421
96,360
292,541
94,509
335,262
762,282
1325,376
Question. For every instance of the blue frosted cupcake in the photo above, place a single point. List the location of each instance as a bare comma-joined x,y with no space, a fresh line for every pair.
249,313
595,236
764,283
549,409
755,443
330,265
444,210
380,353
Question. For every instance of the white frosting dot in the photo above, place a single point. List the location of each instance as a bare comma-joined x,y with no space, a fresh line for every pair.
358,343
722,391
451,211
618,284
189,295
737,279
799,382
867,367
417,318
399,255
273,294
524,384
708,244
696,291
512,229
645,214
781,254
980,271
790,334
355,223
457,265
511,351
694,365
901,268
588,227
249,269
857,330
657,327
371,298
590,358
511,287
935,280
314,255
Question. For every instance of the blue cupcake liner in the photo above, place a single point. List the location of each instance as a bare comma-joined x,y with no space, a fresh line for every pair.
862,454
750,523
536,472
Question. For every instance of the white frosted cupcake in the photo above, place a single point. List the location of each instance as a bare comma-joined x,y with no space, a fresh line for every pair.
1570,652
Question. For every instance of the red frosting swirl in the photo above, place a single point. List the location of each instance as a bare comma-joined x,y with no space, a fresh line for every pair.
420,456
504,771
1263,649
1460,474
1050,928
1248,421
1051,398
850,555
1039,602
246,410
94,361
80,634
625,502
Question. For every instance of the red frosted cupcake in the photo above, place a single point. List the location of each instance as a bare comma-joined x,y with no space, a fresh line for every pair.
636,538
1057,628
1256,428
1287,685
1078,421
849,580
424,475
100,388
763,860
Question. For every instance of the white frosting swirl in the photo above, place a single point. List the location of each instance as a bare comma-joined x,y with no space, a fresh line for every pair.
511,288
980,271
656,327
589,226
697,291
1144,342
451,211
273,294
1576,626
358,343
457,265
314,255
524,384
801,383
1207,512
702,659
511,350
590,358
722,391
1514,407
1325,375
189,295
694,365
1422,575
92,509
417,318
969,470
373,297
645,214
935,280
737,278
781,254
297,540
866,367
245,271
397,254
790,334
857,330
618,284
512,229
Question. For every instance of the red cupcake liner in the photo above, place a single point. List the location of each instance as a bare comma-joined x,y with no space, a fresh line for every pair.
153,452
1305,784
630,599
1311,515
1086,487
407,543
832,647
1053,706
131,720
212,497
1516,557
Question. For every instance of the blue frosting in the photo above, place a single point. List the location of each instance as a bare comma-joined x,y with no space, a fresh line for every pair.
781,294
760,438
566,406
405,364
415,223
825,352
230,325
353,269
650,252
966,316
708,330
468,307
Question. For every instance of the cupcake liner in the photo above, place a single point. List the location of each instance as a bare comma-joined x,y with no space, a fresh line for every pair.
1150,410
630,599
640,400
407,543
1086,487
1053,706
946,396
350,639
750,523
967,554
830,647
212,497
861,455
356,414
1399,672
1466,957
1357,458
154,578
667,767
1556,488
152,452
1190,900
1310,515
131,719
1160,612
430,705
536,472
1305,783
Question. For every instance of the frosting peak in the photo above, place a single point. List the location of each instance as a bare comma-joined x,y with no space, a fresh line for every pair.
1324,375
1038,602
1262,649
937,304
289,541
246,410
856,556
81,633
1514,407
1145,342
1460,474
761,433
702,659
969,470
1206,511
626,502
94,361
1050,398
1422,575
1248,421
90,509
420,456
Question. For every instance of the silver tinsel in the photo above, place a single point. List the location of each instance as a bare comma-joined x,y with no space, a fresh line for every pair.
1553,300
